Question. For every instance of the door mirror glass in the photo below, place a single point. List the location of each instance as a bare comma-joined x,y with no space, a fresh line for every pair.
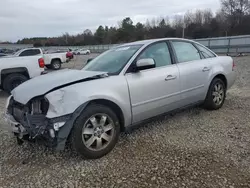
143,64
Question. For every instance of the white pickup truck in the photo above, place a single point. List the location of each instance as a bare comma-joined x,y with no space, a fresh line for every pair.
52,60
16,70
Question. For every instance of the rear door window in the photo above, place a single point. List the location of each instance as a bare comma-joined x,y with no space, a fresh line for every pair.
185,51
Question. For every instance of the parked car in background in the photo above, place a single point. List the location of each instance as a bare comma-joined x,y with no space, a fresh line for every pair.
52,60
120,88
74,51
6,51
2,55
70,55
83,52
16,70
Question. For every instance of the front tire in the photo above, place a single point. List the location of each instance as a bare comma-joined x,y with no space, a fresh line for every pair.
216,95
12,81
95,132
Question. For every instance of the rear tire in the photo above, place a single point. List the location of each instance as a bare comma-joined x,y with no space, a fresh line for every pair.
216,95
85,132
56,64
12,81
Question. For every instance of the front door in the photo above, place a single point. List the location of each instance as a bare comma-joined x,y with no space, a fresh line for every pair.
156,90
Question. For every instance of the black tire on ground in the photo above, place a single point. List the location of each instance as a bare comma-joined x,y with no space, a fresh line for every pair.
56,64
13,80
76,137
210,102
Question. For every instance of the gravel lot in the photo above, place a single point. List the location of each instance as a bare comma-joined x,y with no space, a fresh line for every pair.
191,148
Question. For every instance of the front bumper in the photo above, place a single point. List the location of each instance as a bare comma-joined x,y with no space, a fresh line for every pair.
34,127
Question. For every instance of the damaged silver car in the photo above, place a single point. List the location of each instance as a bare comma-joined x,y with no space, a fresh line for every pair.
118,89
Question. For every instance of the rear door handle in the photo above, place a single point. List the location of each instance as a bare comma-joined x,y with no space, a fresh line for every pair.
170,77
205,69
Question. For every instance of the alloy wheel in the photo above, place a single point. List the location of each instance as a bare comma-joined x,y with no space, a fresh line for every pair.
218,93
56,65
98,132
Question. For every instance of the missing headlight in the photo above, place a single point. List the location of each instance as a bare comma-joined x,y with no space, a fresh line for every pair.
39,106
44,106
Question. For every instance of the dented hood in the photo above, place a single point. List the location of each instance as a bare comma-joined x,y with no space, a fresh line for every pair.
43,84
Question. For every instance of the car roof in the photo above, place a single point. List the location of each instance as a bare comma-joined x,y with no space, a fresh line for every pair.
149,41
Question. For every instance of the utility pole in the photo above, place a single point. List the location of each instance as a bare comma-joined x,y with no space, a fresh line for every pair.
183,29
183,32
66,38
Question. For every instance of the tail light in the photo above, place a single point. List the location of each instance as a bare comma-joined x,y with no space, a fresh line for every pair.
41,63
233,66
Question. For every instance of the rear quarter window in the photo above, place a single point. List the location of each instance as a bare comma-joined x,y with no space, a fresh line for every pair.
205,52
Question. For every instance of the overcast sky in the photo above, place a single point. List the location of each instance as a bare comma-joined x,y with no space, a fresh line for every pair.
36,18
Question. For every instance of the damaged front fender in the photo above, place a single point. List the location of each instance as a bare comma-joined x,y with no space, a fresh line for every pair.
64,131
63,102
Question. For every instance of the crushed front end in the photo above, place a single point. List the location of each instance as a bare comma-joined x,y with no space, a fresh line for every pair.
29,122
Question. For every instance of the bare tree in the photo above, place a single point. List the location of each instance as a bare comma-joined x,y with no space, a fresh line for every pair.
234,7
207,16
189,18
223,21
235,10
178,21
153,22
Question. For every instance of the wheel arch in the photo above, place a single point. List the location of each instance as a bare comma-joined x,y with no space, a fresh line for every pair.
65,131
56,59
116,108
222,77
21,70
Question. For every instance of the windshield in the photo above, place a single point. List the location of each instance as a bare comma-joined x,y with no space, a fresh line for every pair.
113,60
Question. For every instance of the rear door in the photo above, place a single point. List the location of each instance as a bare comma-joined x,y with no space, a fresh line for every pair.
194,72
156,90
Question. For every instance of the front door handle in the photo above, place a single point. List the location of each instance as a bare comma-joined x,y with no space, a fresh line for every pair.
170,77
205,69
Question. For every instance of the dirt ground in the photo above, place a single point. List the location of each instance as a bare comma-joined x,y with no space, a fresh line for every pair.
191,148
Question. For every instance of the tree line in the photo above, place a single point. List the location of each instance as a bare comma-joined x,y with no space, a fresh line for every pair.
232,19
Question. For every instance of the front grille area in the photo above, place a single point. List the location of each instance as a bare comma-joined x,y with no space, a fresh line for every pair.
31,116
18,110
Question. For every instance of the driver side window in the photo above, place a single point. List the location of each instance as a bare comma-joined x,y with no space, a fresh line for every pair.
159,52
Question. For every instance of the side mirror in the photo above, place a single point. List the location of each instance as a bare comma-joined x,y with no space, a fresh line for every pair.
143,64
